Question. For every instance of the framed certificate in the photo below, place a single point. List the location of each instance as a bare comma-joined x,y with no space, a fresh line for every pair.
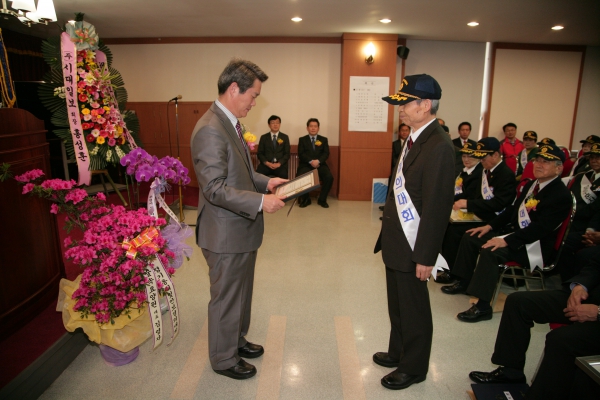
300,185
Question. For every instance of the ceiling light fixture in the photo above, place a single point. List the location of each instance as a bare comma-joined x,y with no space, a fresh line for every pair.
385,21
558,28
473,23
296,19
25,11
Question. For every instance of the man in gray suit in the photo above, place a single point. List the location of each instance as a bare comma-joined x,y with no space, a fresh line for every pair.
229,228
414,221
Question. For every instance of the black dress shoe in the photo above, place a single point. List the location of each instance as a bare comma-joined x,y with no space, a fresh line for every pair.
242,370
496,376
457,288
474,314
399,380
445,278
323,203
385,360
305,203
251,350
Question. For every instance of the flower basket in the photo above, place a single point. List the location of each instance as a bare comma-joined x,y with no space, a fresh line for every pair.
124,335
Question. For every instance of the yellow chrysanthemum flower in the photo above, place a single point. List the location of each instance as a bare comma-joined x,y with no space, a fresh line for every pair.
100,140
249,137
85,111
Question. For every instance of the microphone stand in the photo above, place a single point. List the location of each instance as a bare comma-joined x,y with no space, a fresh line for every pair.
181,216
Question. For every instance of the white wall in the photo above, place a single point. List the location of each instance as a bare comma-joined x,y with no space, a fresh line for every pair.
304,79
537,91
588,110
458,68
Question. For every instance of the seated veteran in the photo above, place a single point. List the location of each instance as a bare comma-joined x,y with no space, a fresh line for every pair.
527,173
274,150
530,143
582,164
313,152
495,191
557,377
525,232
585,187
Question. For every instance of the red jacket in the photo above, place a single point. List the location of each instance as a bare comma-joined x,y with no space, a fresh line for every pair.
510,152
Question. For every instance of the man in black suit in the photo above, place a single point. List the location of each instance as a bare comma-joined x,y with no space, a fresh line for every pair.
525,232
313,152
495,192
414,220
464,130
576,305
274,151
585,187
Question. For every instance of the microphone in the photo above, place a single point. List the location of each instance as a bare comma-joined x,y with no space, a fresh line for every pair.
178,97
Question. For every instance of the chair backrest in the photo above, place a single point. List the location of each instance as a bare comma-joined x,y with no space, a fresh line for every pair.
563,232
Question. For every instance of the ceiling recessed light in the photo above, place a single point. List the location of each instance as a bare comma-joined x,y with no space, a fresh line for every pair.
473,23
385,21
296,19
558,28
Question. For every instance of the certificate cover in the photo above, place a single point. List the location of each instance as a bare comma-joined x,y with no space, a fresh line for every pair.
300,185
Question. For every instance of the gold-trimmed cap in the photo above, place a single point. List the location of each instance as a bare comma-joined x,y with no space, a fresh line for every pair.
485,147
547,141
595,149
531,135
551,152
468,148
415,87
591,139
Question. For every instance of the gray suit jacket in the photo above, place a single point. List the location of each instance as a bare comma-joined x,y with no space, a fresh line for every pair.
429,179
230,190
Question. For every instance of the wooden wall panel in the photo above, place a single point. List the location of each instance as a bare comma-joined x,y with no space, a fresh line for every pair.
364,155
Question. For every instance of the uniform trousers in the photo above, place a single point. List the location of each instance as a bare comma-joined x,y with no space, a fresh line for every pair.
483,274
452,238
231,283
411,322
325,177
556,373
281,172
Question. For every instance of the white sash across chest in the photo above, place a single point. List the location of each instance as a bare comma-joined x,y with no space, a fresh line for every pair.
408,215
486,191
523,159
458,187
534,250
587,194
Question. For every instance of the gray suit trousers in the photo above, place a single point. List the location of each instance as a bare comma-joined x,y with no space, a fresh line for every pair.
231,283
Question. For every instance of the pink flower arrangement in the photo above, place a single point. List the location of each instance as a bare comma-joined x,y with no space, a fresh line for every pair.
145,167
111,253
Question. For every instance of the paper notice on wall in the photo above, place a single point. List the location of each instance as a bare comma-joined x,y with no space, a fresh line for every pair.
368,113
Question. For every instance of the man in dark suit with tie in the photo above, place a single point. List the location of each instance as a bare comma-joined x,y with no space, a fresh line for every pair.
414,220
557,377
313,152
525,232
274,151
464,130
229,227
493,194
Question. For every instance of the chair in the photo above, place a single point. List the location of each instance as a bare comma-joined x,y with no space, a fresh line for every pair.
528,275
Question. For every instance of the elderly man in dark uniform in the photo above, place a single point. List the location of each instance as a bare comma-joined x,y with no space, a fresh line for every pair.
577,305
525,232
495,191
414,221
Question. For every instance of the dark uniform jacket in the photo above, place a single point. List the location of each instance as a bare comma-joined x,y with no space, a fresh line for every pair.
503,184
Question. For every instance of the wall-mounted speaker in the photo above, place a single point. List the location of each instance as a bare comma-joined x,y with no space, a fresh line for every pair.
402,52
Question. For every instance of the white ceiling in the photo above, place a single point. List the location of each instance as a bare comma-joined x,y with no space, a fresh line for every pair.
516,21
